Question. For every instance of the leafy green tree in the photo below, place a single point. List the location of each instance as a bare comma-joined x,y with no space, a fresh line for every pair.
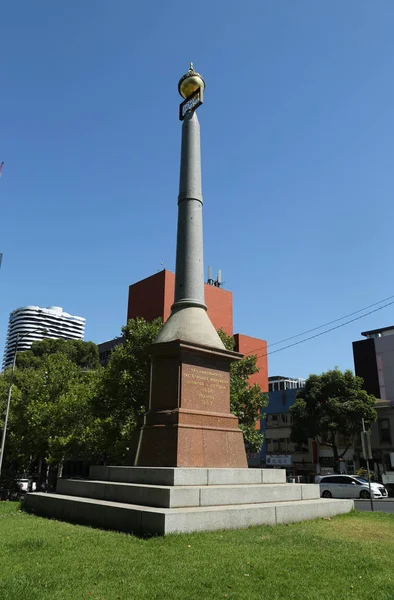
246,399
123,392
72,417
83,354
331,404
4,386
51,403
46,419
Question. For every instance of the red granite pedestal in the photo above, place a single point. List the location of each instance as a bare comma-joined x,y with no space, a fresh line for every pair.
189,423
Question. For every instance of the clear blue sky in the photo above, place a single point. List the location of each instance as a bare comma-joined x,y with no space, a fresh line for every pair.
297,142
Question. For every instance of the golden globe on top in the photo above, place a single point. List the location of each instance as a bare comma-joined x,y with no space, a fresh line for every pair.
190,83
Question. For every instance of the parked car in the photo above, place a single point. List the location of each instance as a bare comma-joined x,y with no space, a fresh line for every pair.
26,485
349,486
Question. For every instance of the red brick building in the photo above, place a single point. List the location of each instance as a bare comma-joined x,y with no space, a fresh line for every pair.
153,297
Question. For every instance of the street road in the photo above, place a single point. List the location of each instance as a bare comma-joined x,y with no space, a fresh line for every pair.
386,505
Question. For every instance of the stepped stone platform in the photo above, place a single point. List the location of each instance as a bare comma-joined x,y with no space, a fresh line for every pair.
163,500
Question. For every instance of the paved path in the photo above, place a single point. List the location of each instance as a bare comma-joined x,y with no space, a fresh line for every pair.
386,505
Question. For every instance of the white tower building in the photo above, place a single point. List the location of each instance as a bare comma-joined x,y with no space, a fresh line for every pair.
53,322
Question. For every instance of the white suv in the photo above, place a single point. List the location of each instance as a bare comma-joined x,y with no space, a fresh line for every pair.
348,486
23,485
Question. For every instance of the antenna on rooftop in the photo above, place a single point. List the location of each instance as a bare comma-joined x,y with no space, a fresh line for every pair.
210,280
218,282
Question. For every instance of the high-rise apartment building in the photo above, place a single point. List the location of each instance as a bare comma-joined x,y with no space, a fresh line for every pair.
32,324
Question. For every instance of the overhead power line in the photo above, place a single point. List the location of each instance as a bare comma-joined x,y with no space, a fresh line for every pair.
356,312
326,331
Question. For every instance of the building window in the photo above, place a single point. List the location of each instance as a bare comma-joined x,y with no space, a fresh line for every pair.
283,419
282,445
303,448
384,431
291,447
274,418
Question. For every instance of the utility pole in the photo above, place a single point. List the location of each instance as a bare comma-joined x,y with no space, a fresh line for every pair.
366,446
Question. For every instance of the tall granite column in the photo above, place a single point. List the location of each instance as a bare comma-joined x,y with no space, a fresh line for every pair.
189,423
189,320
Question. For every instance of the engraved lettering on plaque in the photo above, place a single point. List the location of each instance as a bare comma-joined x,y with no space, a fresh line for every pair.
208,387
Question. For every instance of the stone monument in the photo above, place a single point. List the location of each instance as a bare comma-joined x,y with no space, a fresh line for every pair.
189,423
190,471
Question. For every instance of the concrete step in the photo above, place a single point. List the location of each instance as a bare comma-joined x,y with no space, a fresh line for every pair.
186,476
182,496
161,521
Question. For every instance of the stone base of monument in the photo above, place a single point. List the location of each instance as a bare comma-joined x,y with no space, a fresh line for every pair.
189,414
159,501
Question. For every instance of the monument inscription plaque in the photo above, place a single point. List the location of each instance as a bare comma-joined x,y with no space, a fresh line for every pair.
204,389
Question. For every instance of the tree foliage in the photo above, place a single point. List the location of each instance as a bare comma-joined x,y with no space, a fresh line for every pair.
246,399
123,391
83,354
50,407
331,404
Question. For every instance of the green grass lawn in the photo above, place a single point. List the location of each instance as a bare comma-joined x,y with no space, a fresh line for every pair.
351,556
